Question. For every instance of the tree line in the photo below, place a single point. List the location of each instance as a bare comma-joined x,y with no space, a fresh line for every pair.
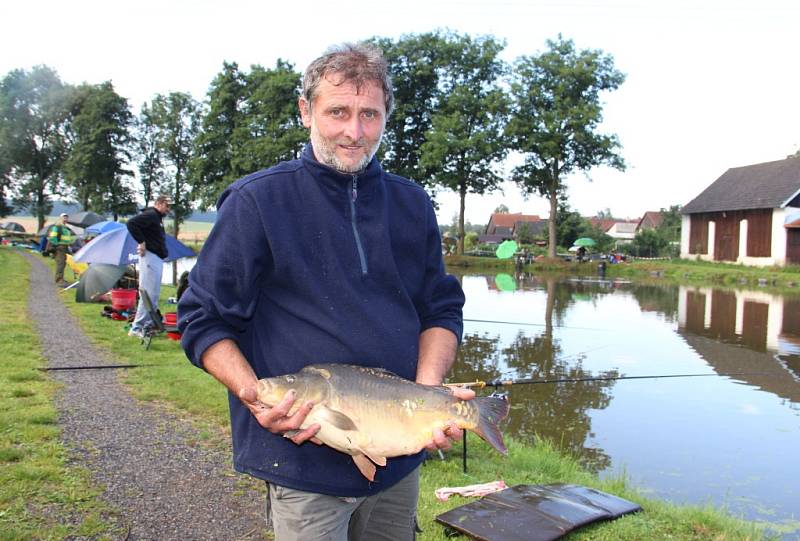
460,111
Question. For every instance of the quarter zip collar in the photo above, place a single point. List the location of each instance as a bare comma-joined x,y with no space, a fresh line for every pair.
366,180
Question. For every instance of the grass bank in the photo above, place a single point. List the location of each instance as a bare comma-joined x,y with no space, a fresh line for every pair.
169,379
41,495
684,271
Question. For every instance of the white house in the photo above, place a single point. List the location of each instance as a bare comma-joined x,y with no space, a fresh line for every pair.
749,215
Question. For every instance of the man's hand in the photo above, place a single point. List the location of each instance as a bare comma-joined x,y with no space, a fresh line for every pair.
443,439
277,419
140,248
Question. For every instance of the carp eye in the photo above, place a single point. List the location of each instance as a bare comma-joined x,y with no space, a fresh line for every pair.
289,379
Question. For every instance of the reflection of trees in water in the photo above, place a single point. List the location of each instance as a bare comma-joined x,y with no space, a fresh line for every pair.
477,359
556,411
657,298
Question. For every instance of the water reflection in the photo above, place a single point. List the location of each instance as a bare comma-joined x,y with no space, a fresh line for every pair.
749,333
690,440
558,412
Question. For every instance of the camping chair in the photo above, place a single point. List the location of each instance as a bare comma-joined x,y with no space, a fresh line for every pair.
156,325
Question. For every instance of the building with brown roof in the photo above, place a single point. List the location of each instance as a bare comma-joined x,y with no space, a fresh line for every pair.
506,226
651,220
749,215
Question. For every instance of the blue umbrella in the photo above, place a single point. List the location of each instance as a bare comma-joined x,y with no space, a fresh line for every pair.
117,247
103,227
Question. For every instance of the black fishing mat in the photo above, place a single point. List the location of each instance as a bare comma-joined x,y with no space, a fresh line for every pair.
535,512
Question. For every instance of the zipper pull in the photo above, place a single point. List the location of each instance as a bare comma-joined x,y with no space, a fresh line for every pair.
355,188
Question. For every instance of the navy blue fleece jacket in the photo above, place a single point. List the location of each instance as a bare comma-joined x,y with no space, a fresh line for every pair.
307,265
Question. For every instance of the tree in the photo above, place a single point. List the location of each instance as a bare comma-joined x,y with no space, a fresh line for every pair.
210,168
465,142
251,123
605,214
417,62
270,129
556,113
95,166
176,118
33,114
149,154
570,225
649,243
501,209
670,225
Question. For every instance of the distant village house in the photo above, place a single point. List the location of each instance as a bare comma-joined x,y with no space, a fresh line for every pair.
749,215
505,226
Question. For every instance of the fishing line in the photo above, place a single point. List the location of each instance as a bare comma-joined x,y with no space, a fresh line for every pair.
506,383
534,325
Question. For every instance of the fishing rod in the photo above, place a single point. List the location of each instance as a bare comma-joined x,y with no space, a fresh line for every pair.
531,381
478,384
93,367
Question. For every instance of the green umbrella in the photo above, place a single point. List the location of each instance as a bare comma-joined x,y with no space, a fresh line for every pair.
96,280
584,241
505,282
506,249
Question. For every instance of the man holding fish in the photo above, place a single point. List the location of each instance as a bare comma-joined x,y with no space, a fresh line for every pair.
330,259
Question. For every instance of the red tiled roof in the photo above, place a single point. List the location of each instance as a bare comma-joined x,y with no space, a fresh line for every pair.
508,220
603,224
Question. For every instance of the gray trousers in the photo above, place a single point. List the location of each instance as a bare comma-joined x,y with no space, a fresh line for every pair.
389,515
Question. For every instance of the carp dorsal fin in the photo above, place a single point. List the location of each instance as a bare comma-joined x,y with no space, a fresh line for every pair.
365,466
336,419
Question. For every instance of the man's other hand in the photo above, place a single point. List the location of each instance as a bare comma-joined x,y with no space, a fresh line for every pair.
443,439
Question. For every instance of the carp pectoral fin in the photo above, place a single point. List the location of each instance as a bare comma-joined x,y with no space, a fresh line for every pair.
337,419
379,460
365,466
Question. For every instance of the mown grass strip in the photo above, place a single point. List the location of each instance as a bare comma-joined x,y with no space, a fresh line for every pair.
41,495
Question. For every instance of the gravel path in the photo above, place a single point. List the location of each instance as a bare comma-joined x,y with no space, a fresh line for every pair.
162,484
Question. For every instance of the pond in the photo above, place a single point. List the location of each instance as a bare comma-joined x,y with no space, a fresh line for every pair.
730,437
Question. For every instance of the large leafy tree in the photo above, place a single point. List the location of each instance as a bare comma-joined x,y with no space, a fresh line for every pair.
211,166
251,122
149,152
555,117
95,167
465,143
176,119
270,130
34,109
416,63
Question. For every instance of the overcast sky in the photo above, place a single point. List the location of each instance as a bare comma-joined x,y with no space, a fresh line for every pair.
710,84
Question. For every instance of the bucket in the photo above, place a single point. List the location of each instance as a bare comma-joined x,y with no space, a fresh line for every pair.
171,320
123,299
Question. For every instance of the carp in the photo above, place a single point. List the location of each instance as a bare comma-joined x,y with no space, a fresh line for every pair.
373,414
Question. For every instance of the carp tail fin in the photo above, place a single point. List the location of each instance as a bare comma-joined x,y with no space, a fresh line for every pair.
491,410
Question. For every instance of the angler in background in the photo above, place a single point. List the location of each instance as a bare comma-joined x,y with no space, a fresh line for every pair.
147,229
325,259
59,239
